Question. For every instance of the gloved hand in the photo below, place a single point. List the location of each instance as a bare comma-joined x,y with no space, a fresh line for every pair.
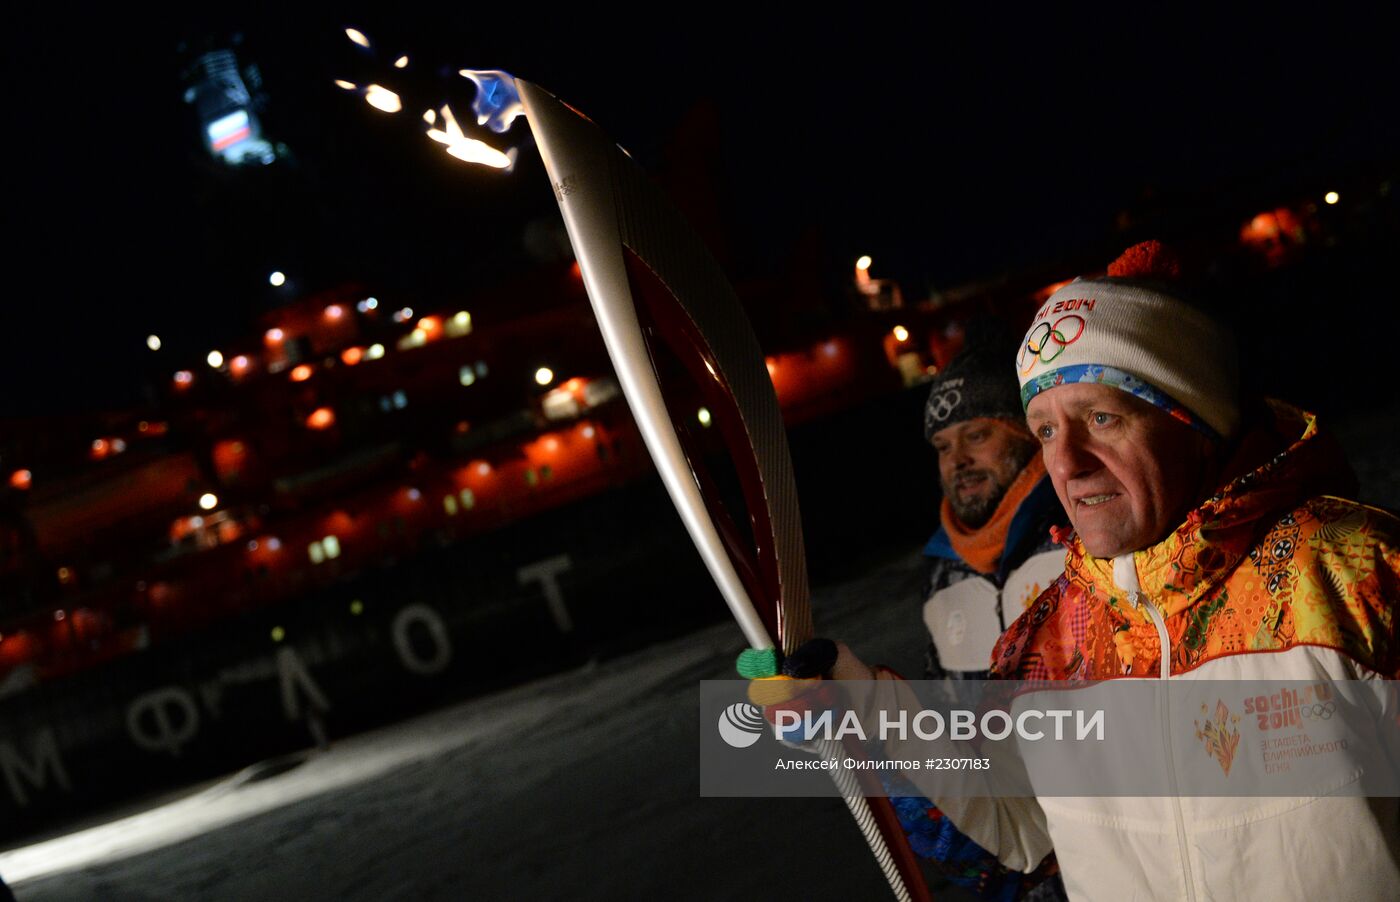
815,658
794,683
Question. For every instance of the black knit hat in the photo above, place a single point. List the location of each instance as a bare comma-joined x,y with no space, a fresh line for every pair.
979,382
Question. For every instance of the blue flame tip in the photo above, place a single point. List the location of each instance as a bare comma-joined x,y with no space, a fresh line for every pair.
497,101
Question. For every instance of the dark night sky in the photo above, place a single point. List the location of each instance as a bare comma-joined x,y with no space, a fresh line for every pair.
948,148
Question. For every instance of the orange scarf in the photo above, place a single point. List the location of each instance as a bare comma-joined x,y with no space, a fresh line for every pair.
981,548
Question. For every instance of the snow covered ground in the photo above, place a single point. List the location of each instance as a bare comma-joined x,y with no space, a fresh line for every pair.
582,786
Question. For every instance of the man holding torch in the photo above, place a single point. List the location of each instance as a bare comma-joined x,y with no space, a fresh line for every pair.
1212,541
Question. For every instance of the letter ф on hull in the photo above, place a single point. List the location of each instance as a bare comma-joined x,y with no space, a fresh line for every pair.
662,300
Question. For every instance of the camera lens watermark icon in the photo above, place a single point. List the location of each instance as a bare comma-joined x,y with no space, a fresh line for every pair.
741,724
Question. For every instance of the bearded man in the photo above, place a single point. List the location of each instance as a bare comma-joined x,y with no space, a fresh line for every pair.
992,554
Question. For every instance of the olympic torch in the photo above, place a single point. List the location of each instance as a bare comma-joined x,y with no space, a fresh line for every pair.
660,298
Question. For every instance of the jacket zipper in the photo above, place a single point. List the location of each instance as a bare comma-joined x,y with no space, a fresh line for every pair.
1125,575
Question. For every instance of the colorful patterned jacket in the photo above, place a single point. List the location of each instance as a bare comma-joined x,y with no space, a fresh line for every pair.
1272,578
1272,562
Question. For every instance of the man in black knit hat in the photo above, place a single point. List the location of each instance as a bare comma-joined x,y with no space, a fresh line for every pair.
992,554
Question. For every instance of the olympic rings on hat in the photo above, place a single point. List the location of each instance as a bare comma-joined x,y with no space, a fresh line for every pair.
940,407
1045,338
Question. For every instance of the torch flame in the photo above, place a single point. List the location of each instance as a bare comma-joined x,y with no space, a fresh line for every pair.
497,102
496,105
467,149
381,98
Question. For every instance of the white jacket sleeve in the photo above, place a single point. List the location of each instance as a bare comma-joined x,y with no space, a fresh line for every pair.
1013,829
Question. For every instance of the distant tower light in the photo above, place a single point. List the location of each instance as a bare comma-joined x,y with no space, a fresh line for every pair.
208,501
1331,197
277,279
863,263
225,107
153,342
544,375
215,359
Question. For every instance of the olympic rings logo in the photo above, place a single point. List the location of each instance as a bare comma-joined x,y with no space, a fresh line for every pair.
1319,711
1046,342
943,405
